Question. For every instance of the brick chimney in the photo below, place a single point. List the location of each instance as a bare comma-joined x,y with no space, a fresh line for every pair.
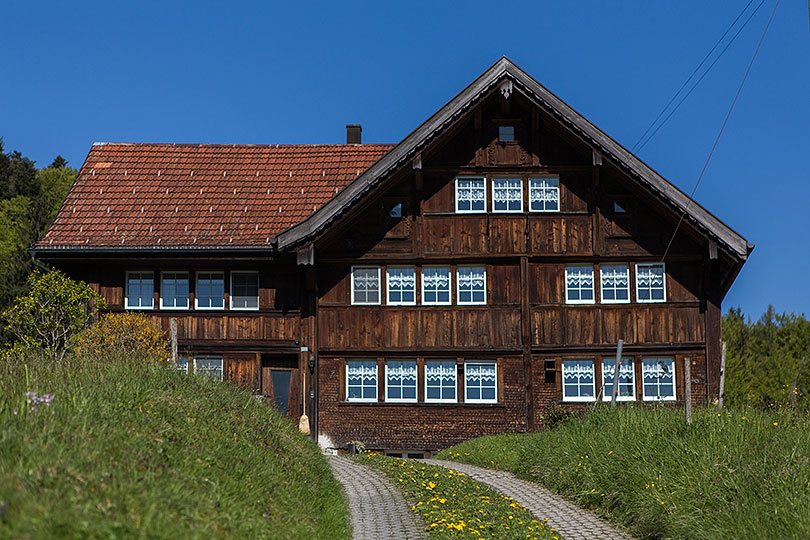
353,134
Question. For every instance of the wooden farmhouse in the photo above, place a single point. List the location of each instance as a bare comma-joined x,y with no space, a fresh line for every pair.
462,282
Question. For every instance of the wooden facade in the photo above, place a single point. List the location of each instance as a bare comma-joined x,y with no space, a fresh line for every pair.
405,215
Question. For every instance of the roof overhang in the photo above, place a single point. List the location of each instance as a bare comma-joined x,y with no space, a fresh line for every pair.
490,81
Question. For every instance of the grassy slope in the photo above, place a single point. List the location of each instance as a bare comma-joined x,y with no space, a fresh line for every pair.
726,476
129,449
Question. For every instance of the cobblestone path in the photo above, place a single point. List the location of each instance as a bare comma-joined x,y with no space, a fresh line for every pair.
572,521
378,510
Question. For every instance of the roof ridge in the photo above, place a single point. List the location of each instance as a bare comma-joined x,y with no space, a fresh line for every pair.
239,145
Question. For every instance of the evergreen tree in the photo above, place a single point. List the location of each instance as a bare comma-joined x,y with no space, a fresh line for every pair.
58,163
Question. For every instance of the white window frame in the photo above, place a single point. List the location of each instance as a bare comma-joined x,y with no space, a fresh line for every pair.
455,383
481,400
507,211
197,290
416,385
644,395
580,399
483,180
593,285
211,357
126,290
609,397
178,366
458,287
162,295
449,286
231,295
651,301
556,189
388,300
602,284
379,285
362,387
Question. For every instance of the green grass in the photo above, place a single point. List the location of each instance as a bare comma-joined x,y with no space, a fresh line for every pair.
130,449
455,506
732,475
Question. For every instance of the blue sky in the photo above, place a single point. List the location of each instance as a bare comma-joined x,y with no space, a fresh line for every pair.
267,72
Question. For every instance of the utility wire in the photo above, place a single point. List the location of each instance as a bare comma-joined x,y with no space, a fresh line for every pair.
675,95
722,128
636,147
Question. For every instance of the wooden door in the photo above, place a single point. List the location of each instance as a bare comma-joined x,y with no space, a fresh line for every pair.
281,385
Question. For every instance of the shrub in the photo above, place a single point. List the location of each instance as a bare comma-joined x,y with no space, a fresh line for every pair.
130,334
55,309
556,417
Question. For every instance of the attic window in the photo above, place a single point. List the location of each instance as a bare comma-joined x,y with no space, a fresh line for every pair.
395,211
506,133
619,207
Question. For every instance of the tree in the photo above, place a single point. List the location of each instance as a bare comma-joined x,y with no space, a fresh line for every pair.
132,334
18,176
53,312
58,163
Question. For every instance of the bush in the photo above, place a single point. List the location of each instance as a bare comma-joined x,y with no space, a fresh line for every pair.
556,417
130,334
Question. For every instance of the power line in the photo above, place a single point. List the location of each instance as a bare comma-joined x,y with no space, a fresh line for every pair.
720,133
635,148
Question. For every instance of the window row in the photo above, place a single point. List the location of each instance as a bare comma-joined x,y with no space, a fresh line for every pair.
658,379
202,365
209,293
436,282
440,381
615,283
507,194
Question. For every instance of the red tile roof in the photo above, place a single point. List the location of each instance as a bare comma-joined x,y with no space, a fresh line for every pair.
171,195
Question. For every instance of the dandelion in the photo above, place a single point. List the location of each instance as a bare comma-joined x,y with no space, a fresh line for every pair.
776,423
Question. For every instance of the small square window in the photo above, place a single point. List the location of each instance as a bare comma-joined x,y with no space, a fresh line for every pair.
401,286
578,380
627,379
244,290
507,195
472,285
615,281
140,290
440,381
361,380
366,285
544,194
579,285
506,133
651,283
210,366
210,293
658,379
480,382
174,290
436,285
471,195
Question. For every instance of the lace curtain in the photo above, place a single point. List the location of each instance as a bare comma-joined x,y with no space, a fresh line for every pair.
441,372
481,374
578,371
615,276
470,191
650,276
401,279
506,190
359,372
436,278
471,278
579,277
654,369
402,371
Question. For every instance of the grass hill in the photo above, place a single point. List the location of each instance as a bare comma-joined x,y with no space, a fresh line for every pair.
122,449
728,475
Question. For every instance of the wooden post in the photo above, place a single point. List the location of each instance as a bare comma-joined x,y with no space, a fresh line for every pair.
722,393
174,340
616,373
687,388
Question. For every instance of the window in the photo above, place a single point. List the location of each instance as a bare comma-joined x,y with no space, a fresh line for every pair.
401,286
627,379
245,290
140,290
436,285
615,283
182,364
210,293
174,290
361,380
209,365
658,378
395,210
544,194
579,285
472,285
471,195
440,380
480,382
400,380
507,195
506,133
651,283
365,285
578,380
